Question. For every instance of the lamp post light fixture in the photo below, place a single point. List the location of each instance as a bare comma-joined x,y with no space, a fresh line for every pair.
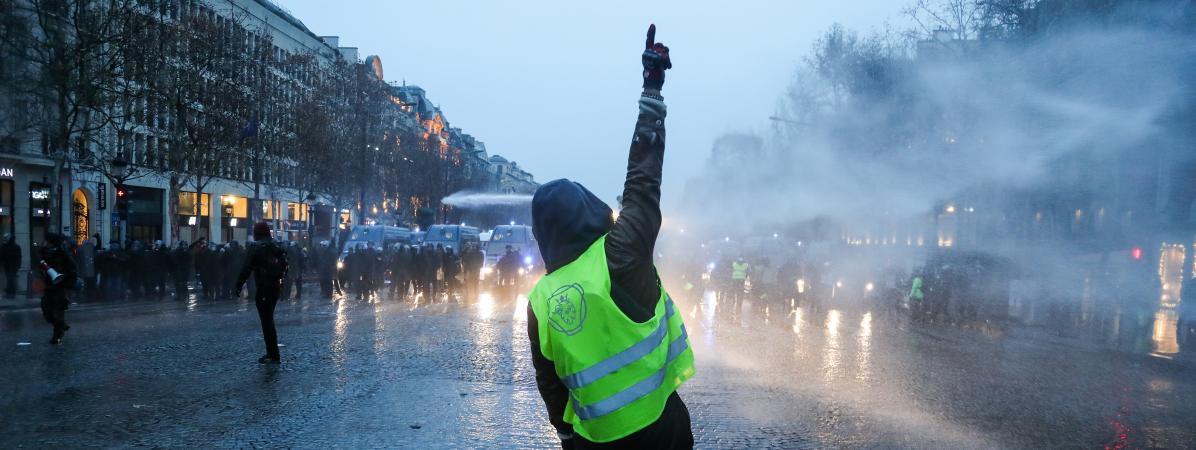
120,171
311,217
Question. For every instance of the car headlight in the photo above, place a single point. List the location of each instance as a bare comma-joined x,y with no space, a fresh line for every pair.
521,271
487,270
340,265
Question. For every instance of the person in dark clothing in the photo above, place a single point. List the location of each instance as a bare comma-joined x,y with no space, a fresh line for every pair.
471,268
417,271
432,263
58,271
117,266
403,269
289,282
10,256
136,269
234,258
161,267
180,259
452,268
267,262
300,264
568,219
324,260
508,268
212,277
377,270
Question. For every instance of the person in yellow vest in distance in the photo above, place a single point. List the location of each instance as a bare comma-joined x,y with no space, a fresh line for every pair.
740,270
608,344
916,299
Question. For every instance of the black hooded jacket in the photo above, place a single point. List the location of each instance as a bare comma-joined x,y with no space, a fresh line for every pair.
568,218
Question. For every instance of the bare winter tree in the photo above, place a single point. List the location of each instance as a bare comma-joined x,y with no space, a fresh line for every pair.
73,48
18,108
131,110
201,92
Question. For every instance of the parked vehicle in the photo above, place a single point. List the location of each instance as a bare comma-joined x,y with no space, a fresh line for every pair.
380,236
451,236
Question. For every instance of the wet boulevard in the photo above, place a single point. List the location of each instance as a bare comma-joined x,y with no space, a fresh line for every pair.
389,373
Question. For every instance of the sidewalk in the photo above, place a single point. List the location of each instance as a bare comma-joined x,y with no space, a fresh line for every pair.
19,302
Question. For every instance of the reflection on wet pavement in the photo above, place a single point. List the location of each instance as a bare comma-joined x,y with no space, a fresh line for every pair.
437,374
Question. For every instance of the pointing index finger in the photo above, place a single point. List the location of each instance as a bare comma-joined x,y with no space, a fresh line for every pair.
651,36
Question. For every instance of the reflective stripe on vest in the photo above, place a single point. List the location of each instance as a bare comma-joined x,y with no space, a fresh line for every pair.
635,391
623,358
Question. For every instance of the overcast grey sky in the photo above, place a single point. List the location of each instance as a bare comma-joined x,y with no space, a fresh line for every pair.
553,84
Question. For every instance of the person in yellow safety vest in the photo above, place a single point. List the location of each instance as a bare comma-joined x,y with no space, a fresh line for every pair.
916,297
739,273
608,344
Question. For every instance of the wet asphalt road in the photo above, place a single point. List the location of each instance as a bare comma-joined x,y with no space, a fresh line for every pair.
390,373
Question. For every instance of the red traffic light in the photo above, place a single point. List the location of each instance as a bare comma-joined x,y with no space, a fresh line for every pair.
1136,253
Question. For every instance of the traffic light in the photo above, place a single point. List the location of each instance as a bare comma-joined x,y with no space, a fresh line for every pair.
1136,253
122,201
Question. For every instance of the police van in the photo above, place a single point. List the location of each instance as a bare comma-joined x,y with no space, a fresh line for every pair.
378,236
521,239
455,237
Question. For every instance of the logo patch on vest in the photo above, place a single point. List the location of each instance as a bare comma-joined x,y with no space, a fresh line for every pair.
567,309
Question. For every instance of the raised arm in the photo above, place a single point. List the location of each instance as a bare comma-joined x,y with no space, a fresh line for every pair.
633,237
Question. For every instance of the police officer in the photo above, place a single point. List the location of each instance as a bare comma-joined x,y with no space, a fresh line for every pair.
608,344
739,274
471,267
58,271
267,261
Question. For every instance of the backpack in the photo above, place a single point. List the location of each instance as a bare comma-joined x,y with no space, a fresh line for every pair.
274,262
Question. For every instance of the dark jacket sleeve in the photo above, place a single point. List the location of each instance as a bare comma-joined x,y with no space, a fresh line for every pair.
554,393
632,240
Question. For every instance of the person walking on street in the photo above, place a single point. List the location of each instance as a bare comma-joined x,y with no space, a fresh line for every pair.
10,256
58,272
608,345
266,260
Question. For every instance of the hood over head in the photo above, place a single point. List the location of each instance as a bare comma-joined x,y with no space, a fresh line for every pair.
566,219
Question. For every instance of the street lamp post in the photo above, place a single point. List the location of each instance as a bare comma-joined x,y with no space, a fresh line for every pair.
311,218
120,173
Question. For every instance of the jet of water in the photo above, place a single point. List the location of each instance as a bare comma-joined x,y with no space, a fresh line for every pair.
482,199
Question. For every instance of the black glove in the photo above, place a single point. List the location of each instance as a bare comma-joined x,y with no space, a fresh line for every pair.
656,61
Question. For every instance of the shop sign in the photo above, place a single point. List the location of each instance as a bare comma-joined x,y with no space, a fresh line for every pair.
6,172
40,194
102,196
